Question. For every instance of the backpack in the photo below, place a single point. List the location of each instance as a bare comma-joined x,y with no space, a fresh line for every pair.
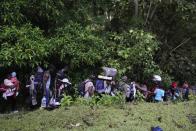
131,91
82,87
99,87
157,128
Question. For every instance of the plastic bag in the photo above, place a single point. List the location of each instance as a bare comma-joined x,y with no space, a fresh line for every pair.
43,104
109,71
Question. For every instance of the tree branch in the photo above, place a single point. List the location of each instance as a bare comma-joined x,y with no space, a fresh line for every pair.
183,42
148,13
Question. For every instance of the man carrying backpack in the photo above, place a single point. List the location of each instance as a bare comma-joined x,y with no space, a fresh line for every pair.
125,88
38,83
9,94
87,88
131,92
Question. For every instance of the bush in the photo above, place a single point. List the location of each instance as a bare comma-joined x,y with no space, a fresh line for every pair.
139,97
105,100
66,100
22,46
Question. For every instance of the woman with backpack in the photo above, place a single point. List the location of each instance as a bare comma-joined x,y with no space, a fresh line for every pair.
9,96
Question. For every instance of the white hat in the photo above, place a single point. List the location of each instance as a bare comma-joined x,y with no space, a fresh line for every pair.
65,80
156,78
8,83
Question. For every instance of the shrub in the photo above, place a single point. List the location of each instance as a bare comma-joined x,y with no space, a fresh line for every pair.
105,100
139,97
66,100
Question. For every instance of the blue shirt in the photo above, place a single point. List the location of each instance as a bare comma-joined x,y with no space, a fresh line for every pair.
159,94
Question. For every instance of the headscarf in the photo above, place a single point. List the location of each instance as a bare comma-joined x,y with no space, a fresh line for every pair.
13,74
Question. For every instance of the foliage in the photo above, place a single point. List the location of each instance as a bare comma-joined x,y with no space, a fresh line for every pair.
66,100
104,99
10,13
22,46
139,38
139,97
89,102
192,96
132,53
77,45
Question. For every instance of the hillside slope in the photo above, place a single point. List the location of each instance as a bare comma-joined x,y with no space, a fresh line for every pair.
130,117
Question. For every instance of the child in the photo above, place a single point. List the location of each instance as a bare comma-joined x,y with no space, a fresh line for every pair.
159,94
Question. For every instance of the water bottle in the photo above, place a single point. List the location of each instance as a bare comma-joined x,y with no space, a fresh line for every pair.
43,104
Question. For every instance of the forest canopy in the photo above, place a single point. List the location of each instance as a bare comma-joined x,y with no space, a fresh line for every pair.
138,37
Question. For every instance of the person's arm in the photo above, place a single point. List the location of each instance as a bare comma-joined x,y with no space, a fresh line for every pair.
2,89
134,90
163,94
155,91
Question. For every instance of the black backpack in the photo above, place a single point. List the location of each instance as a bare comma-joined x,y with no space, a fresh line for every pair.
81,88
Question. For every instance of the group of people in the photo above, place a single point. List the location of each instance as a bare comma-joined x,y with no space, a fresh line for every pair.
42,90
155,92
46,92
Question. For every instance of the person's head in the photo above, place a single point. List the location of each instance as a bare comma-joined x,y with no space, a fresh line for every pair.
113,82
158,85
32,78
40,70
92,77
124,78
13,74
174,84
185,85
156,79
66,82
144,82
65,68
8,76
108,82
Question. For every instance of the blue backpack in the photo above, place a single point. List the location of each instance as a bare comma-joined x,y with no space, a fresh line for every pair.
157,129
100,86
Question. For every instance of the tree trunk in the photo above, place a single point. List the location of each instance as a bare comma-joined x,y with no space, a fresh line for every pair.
136,7
94,7
148,13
